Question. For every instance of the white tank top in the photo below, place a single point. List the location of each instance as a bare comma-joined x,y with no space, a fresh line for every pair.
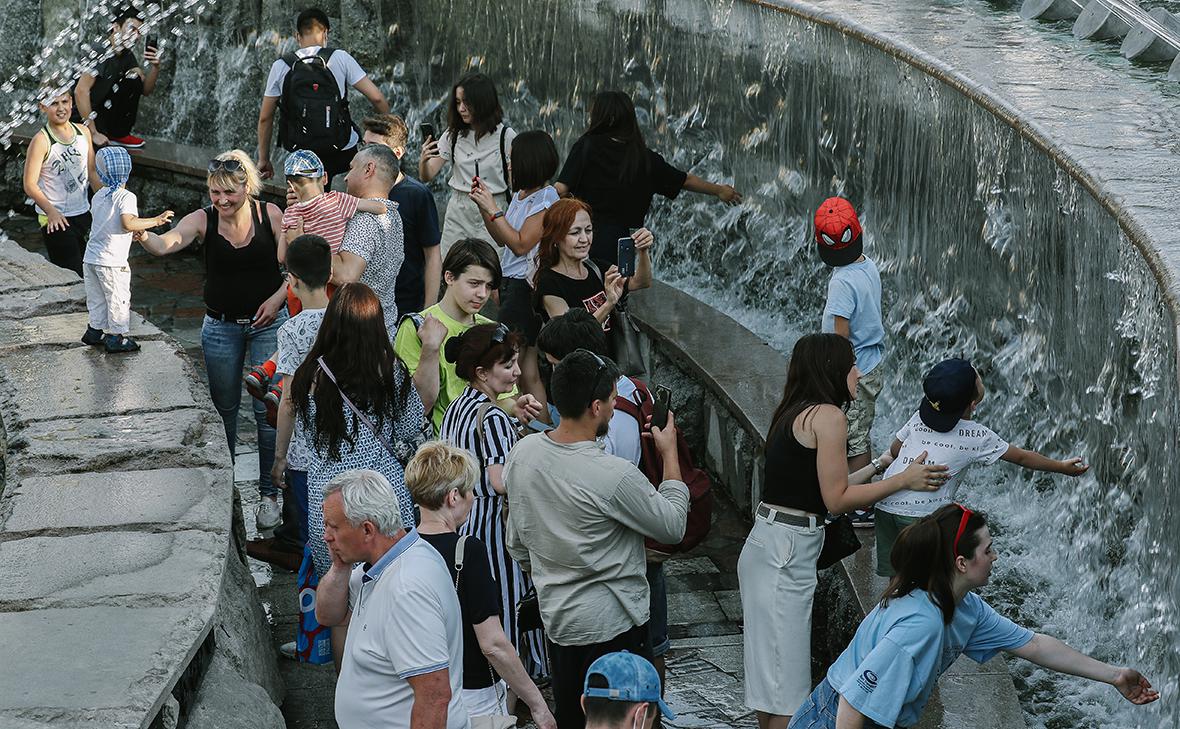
63,174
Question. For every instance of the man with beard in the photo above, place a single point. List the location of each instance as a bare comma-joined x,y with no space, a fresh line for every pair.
577,519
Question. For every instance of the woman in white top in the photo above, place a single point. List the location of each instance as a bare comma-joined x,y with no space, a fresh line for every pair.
477,144
533,163
58,167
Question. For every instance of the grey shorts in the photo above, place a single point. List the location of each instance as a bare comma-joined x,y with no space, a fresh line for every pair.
863,409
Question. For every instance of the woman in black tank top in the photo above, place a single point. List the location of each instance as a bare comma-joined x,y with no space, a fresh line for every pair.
806,476
245,294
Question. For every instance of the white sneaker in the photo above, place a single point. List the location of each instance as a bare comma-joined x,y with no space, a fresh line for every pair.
268,515
287,650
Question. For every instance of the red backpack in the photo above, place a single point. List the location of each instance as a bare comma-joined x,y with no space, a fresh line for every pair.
700,486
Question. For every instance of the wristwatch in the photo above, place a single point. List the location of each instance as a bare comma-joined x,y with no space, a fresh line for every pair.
878,467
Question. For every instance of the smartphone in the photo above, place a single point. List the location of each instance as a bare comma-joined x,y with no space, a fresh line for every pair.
426,129
473,179
152,42
626,257
659,412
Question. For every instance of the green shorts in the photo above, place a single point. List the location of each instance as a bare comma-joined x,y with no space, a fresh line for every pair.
886,527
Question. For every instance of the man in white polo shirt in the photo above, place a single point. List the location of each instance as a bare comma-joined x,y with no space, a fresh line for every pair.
403,660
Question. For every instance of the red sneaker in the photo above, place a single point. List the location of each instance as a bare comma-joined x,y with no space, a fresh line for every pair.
273,397
130,141
258,381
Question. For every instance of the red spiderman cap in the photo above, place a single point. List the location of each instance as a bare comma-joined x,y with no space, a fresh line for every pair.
837,232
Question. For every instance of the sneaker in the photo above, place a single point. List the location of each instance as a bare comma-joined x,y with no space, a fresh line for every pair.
130,141
287,650
119,343
863,519
93,337
268,515
273,397
257,382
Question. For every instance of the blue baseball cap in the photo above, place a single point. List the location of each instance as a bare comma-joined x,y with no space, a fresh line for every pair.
303,163
628,678
948,389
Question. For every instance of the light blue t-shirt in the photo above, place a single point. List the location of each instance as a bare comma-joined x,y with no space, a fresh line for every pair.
893,663
854,292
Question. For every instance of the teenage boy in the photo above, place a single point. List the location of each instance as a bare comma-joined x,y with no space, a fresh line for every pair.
944,429
418,280
309,267
58,167
311,83
853,310
471,271
622,691
108,99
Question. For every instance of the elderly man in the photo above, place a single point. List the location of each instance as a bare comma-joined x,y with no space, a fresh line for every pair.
579,517
373,251
403,661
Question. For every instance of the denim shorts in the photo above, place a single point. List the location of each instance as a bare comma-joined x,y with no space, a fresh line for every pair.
819,710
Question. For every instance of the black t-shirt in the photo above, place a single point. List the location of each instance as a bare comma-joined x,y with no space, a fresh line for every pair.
587,293
114,72
791,477
592,170
420,231
479,599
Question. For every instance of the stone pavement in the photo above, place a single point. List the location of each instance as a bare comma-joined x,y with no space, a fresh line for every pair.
704,664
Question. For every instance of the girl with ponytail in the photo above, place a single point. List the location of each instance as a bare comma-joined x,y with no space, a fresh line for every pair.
928,616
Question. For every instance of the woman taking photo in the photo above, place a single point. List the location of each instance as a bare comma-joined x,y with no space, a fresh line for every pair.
486,357
928,616
357,406
566,275
245,298
611,168
806,476
533,164
477,144
441,478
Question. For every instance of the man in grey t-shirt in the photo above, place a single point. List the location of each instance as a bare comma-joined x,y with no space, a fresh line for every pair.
577,519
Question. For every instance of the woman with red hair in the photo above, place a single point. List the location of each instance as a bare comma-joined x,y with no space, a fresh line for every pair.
567,277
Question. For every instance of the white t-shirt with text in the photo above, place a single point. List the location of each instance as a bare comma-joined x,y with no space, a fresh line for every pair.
110,242
967,443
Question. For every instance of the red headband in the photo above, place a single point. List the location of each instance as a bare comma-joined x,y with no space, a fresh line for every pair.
962,527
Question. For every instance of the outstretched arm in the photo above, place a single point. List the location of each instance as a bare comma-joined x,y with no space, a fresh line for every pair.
724,193
1047,651
1036,462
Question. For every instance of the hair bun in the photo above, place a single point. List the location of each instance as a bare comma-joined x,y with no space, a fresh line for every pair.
452,348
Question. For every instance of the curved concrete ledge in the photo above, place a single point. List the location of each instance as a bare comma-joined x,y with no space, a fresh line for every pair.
116,523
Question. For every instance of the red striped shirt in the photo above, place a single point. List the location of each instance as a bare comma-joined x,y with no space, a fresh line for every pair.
325,215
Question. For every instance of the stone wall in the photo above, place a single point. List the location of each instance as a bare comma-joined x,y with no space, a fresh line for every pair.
125,583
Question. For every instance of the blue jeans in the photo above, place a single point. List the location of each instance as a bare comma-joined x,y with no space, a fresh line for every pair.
226,346
819,710
657,623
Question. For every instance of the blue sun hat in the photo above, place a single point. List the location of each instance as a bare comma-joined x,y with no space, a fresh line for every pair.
114,167
628,678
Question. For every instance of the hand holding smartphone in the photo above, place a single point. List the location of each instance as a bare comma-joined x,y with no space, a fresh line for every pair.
659,412
426,129
626,257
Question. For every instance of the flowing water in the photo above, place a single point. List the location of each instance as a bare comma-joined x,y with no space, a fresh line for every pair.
987,250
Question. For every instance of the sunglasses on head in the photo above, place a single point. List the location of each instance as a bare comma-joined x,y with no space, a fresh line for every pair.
601,367
962,528
229,165
499,334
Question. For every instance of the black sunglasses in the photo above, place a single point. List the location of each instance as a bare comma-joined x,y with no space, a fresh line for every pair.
229,165
597,374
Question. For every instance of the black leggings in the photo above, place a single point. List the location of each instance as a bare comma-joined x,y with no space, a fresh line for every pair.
66,247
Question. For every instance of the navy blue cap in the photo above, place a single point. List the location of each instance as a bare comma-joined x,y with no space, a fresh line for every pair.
948,389
628,678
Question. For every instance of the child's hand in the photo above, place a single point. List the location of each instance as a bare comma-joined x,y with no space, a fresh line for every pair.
432,332
1074,466
164,218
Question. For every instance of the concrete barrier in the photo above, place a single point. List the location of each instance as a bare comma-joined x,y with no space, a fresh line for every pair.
1050,10
1098,22
1147,45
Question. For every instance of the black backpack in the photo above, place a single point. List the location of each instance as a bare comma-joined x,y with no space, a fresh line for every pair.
314,114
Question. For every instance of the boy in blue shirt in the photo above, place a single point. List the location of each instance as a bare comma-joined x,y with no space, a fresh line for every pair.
853,310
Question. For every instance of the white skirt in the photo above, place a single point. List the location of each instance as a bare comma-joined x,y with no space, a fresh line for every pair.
485,701
776,574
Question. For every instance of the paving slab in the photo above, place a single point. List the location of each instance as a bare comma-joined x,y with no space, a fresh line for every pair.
61,329
95,666
131,569
84,381
39,302
169,498
21,270
687,608
188,437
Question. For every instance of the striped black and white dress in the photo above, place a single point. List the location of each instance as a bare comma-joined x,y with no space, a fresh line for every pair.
486,521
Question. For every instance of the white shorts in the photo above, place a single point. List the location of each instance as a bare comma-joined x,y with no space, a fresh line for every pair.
463,220
776,574
485,701
108,297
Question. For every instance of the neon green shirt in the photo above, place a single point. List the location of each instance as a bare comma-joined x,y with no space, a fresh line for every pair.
408,347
